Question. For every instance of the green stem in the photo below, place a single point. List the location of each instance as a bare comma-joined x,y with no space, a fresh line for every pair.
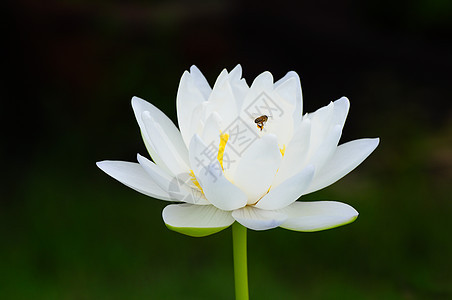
240,264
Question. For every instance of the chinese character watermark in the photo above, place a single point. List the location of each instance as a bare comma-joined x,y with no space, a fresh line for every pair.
241,136
263,105
182,188
242,133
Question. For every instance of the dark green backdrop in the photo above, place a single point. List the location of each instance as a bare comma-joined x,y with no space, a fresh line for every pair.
71,232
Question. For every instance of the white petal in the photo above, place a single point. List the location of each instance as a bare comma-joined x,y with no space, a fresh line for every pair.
179,188
224,75
320,215
341,108
263,82
222,100
325,118
135,177
320,120
212,129
258,219
295,155
198,118
347,157
236,73
200,82
288,191
200,154
196,220
161,178
239,86
193,90
218,190
257,167
315,140
174,157
140,106
326,149
259,94
290,90
298,95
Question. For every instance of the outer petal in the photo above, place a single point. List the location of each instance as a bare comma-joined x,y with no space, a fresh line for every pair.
179,188
196,220
218,190
200,82
140,106
161,178
300,153
263,82
135,177
325,118
341,108
252,105
320,215
193,90
257,168
258,219
295,155
239,86
327,148
347,157
222,100
320,123
288,191
289,88
176,159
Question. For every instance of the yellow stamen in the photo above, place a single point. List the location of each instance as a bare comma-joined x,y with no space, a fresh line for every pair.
195,182
283,150
223,140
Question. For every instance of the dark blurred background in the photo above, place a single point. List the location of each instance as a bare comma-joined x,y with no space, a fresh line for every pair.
71,67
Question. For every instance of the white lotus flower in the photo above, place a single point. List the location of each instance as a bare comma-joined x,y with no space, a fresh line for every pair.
228,165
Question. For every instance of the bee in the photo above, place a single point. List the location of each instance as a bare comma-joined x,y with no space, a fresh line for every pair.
260,121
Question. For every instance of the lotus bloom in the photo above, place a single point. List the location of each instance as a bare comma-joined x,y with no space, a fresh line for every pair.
243,154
